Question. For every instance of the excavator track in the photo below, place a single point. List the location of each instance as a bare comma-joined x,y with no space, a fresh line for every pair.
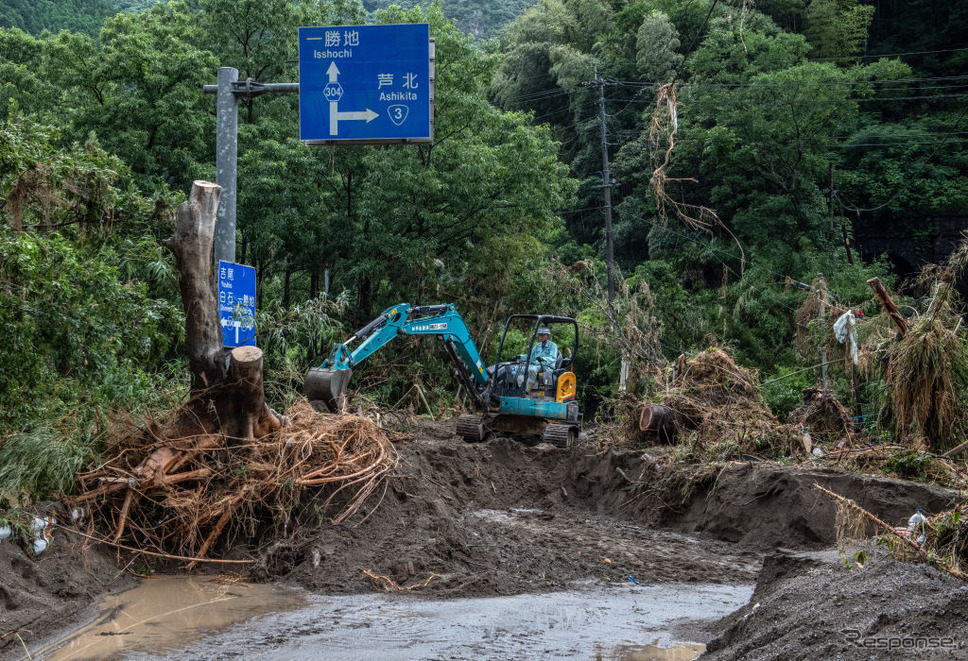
561,436
471,428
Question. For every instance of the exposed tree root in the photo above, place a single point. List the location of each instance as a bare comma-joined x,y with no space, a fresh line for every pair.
179,497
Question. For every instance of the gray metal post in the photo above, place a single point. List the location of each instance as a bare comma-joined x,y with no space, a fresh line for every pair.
228,91
226,158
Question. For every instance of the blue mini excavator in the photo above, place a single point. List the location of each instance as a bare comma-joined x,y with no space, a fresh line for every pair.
522,397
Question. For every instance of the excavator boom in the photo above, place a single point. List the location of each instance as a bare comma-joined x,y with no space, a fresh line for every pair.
329,382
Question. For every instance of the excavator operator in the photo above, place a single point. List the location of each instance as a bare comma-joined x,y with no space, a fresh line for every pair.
543,355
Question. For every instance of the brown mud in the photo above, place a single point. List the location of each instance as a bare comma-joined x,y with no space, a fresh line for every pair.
500,518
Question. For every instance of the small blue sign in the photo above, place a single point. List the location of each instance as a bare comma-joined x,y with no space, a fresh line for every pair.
236,303
365,83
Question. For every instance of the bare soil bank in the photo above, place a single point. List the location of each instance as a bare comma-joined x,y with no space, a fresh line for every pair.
501,518
811,606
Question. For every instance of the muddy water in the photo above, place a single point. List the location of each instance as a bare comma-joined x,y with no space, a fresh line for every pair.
591,622
164,614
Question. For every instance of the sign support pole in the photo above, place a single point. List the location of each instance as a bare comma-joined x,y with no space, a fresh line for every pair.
229,90
226,163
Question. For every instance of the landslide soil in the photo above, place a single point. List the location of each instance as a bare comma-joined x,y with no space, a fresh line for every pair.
502,518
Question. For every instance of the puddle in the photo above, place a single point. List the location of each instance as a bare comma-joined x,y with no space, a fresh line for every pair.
653,652
630,623
164,614
180,617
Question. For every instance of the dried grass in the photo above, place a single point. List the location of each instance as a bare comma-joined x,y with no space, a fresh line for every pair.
927,372
725,408
823,416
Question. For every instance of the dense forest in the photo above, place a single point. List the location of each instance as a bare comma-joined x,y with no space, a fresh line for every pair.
743,144
55,15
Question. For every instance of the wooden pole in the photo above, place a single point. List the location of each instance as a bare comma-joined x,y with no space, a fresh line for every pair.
822,315
888,304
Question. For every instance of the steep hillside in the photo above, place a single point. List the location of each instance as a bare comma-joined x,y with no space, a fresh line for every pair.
55,15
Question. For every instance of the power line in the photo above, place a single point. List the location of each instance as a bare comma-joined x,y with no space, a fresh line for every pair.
829,83
888,55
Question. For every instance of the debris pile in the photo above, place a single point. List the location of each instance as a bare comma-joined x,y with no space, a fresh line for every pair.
177,497
823,417
940,541
717,404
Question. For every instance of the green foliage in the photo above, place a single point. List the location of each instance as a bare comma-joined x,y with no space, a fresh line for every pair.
783,389
837,28
911,466
40,464
71,325
55,15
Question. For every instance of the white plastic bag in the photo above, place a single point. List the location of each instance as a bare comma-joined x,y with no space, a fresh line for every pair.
844,330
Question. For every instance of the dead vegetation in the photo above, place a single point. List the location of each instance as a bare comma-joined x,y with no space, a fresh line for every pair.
926,373
940,541
825,418
180,496
718,410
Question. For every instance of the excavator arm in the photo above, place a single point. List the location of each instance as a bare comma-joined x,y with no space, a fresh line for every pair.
330,381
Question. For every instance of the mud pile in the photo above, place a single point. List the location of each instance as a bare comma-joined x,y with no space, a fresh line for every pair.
502,518
491,519
39,594
816,606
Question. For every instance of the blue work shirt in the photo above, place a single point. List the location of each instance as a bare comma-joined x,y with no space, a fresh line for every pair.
547,350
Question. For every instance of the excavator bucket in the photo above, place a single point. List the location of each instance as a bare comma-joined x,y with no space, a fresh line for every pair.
328,386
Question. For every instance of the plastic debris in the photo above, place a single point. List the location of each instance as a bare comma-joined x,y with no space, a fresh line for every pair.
844,331
916,524
917,519
5,533
42,529
41,544
632,580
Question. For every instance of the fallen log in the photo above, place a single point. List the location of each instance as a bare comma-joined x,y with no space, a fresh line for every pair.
663,421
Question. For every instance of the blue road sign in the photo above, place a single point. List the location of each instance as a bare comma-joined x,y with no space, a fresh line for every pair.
236,303
365,83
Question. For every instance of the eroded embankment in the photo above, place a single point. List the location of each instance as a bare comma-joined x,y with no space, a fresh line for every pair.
759,505
501,518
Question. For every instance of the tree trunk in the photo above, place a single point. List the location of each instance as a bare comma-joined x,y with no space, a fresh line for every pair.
888,304
231,402
192,246
256,417
663,421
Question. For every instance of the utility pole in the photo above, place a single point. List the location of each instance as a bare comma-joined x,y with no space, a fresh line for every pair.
229,90
830,210
607,185
609,250
821,289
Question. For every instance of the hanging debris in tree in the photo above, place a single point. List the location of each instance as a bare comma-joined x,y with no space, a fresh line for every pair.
663,129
